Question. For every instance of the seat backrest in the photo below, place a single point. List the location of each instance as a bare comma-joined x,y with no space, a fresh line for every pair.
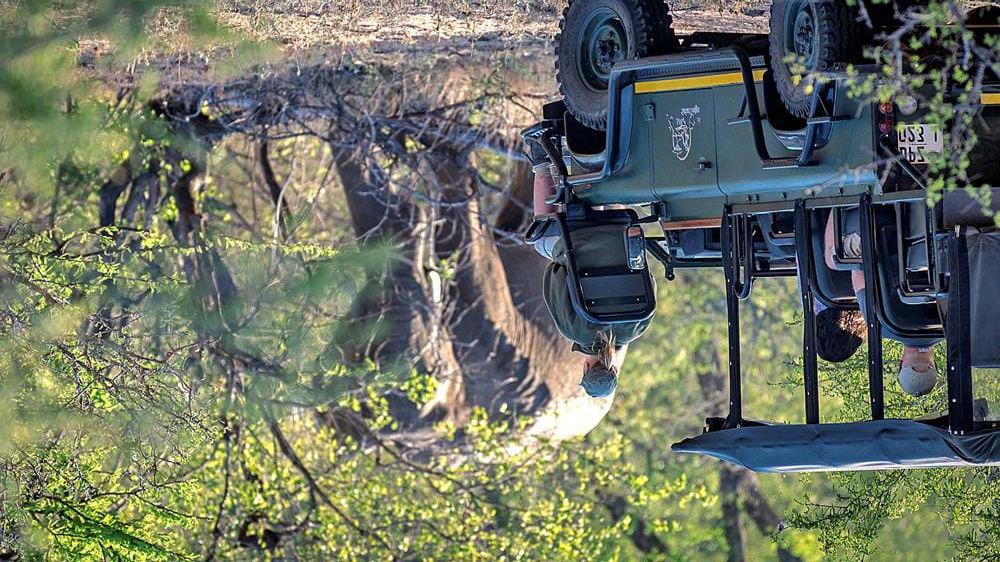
833,288
779,235
983,278
906,320
608,275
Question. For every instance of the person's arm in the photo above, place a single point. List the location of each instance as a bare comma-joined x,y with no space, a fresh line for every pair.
544,187
620,354
829,247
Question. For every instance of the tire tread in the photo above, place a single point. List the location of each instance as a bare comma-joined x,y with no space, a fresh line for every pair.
654,35
840,41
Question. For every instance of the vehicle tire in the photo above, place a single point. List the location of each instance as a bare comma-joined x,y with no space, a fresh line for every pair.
884,15
594,35
984,22
818,34
663,28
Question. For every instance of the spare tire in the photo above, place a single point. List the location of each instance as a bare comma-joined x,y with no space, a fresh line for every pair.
812,34
984,22
594,35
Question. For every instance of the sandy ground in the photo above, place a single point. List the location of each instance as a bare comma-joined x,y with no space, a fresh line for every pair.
310,26
461,43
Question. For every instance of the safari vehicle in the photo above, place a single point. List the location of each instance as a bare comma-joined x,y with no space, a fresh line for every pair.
728,159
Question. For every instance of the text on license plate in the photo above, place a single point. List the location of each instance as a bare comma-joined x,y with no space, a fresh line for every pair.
917,143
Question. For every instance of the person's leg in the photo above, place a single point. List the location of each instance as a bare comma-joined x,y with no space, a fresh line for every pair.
917,374
828,244
545,246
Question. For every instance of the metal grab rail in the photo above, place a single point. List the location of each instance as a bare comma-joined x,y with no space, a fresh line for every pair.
755,116
735,418
960,391
876,366
807,282
737,232
745,266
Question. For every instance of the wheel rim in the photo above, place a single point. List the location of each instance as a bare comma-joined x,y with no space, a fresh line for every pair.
603,43
800,35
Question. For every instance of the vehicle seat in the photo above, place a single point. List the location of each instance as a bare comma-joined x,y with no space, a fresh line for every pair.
834,288
983,243
608,278
913,219
850,223
907,320
699,243
778,230
984,271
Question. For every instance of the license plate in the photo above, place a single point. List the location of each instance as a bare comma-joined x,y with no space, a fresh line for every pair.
918,143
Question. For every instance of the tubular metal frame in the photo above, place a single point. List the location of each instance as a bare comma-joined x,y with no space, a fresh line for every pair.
736,230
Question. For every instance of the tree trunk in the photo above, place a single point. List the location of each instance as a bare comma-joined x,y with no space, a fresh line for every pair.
644,540
736,484
729,480
486,334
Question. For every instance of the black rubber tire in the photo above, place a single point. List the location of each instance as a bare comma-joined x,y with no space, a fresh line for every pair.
837,39
984,16
884,15
663,28
647,29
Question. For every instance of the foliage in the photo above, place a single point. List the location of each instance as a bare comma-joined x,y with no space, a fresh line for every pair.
175,382
171,371
932,58
929,57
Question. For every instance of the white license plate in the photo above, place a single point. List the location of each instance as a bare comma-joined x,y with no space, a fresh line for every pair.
918,143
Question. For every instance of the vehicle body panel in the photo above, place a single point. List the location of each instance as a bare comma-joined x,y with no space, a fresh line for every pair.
843,167
682,150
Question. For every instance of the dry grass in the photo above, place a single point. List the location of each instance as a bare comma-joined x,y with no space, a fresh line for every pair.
392,25
446,26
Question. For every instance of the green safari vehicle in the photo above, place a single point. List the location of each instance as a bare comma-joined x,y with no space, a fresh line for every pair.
735,151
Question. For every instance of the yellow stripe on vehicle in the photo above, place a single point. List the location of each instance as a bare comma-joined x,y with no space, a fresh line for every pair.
991,99
695,82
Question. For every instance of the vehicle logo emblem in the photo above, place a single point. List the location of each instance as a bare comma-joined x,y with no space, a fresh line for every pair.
682,130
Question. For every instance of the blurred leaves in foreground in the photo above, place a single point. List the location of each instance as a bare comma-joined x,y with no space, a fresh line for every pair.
63,78
173,381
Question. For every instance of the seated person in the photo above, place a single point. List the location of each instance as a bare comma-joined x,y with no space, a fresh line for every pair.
839,333
604,344
917,371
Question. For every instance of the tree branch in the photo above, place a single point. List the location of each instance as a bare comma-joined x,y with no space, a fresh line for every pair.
275,189
642,538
